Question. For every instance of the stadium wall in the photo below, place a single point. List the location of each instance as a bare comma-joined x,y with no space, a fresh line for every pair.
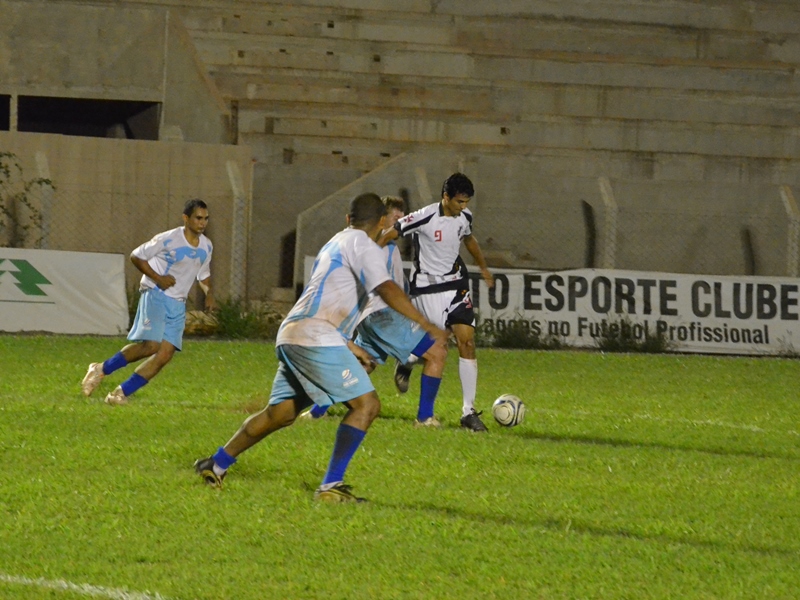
686,110
111,195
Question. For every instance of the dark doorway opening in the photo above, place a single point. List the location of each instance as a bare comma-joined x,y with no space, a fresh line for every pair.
124,119
286,274
5,112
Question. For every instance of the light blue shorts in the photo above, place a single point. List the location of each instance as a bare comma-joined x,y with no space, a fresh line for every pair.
158,317
323,375
387,333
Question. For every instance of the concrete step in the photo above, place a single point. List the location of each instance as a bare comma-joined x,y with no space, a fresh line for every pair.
507,35
759,15
558,163
536,132
414,98
308,57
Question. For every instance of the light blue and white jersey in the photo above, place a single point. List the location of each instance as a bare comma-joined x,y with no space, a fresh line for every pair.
345,271
169,253
394,264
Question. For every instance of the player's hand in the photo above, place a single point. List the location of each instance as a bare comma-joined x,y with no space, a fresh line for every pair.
363,357
210,305
440,335
488,277
165,281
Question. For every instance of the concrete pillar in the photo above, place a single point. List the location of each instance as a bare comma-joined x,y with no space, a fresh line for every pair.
608,258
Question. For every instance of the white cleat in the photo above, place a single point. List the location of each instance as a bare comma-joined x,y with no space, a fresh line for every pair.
117,397
94,377
305,416
429,422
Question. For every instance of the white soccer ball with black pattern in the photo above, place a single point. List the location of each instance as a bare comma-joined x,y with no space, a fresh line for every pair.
508,410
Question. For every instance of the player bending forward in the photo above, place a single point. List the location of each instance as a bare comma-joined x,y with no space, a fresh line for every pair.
383,332
315,363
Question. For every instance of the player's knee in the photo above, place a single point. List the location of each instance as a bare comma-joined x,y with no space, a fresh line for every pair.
149,348
436,354
466,348
371,406
164,354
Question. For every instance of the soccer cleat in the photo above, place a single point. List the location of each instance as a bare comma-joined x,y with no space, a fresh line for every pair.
338,493
205,468
429,422
402,373
94,377
309,416
473,422
117,397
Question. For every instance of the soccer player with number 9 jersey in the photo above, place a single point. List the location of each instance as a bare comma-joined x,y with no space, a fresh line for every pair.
439,285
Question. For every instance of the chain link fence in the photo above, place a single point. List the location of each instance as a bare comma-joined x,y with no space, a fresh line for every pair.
577,223
105,216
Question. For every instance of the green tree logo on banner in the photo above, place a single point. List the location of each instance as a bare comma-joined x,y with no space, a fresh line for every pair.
28,278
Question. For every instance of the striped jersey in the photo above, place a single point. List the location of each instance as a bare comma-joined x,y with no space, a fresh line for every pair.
345,271
169,253
437,240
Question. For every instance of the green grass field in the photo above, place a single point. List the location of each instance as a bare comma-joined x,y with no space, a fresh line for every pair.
633,476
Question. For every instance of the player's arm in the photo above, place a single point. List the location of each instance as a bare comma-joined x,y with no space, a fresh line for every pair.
389,235
210,303
162,281
393,295
472,246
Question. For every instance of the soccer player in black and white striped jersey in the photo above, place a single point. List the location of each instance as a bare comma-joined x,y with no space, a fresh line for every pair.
439,283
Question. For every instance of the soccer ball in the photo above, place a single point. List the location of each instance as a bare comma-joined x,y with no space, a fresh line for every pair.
508,410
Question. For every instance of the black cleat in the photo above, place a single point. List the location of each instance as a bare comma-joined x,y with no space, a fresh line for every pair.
338,493
205,468
402,373
473,422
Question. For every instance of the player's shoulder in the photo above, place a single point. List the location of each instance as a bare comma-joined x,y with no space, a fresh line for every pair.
421,215
169,234
356,240
467,214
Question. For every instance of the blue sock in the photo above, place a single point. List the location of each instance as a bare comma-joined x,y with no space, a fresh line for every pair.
133,383
114,363
348,439
318,411
429,388
223,459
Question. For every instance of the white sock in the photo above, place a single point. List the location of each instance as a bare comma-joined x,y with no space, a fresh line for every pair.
411,360
468,373
218,471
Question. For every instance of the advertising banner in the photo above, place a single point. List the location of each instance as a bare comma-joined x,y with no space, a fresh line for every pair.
690,313
62,292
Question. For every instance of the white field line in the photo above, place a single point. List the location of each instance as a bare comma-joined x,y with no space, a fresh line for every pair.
649,417
80,588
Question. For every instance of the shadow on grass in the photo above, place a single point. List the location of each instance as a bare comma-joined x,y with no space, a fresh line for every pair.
614,443
569,525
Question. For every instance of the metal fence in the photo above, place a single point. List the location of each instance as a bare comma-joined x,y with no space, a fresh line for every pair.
89,220
588,222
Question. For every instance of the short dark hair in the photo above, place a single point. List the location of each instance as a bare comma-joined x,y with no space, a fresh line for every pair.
394,202
456,184
188,208
366,209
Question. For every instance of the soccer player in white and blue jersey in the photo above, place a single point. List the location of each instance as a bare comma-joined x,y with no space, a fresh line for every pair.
384,332
317,362
170,263
440,282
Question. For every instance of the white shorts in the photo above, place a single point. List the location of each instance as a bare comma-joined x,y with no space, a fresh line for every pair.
447,308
